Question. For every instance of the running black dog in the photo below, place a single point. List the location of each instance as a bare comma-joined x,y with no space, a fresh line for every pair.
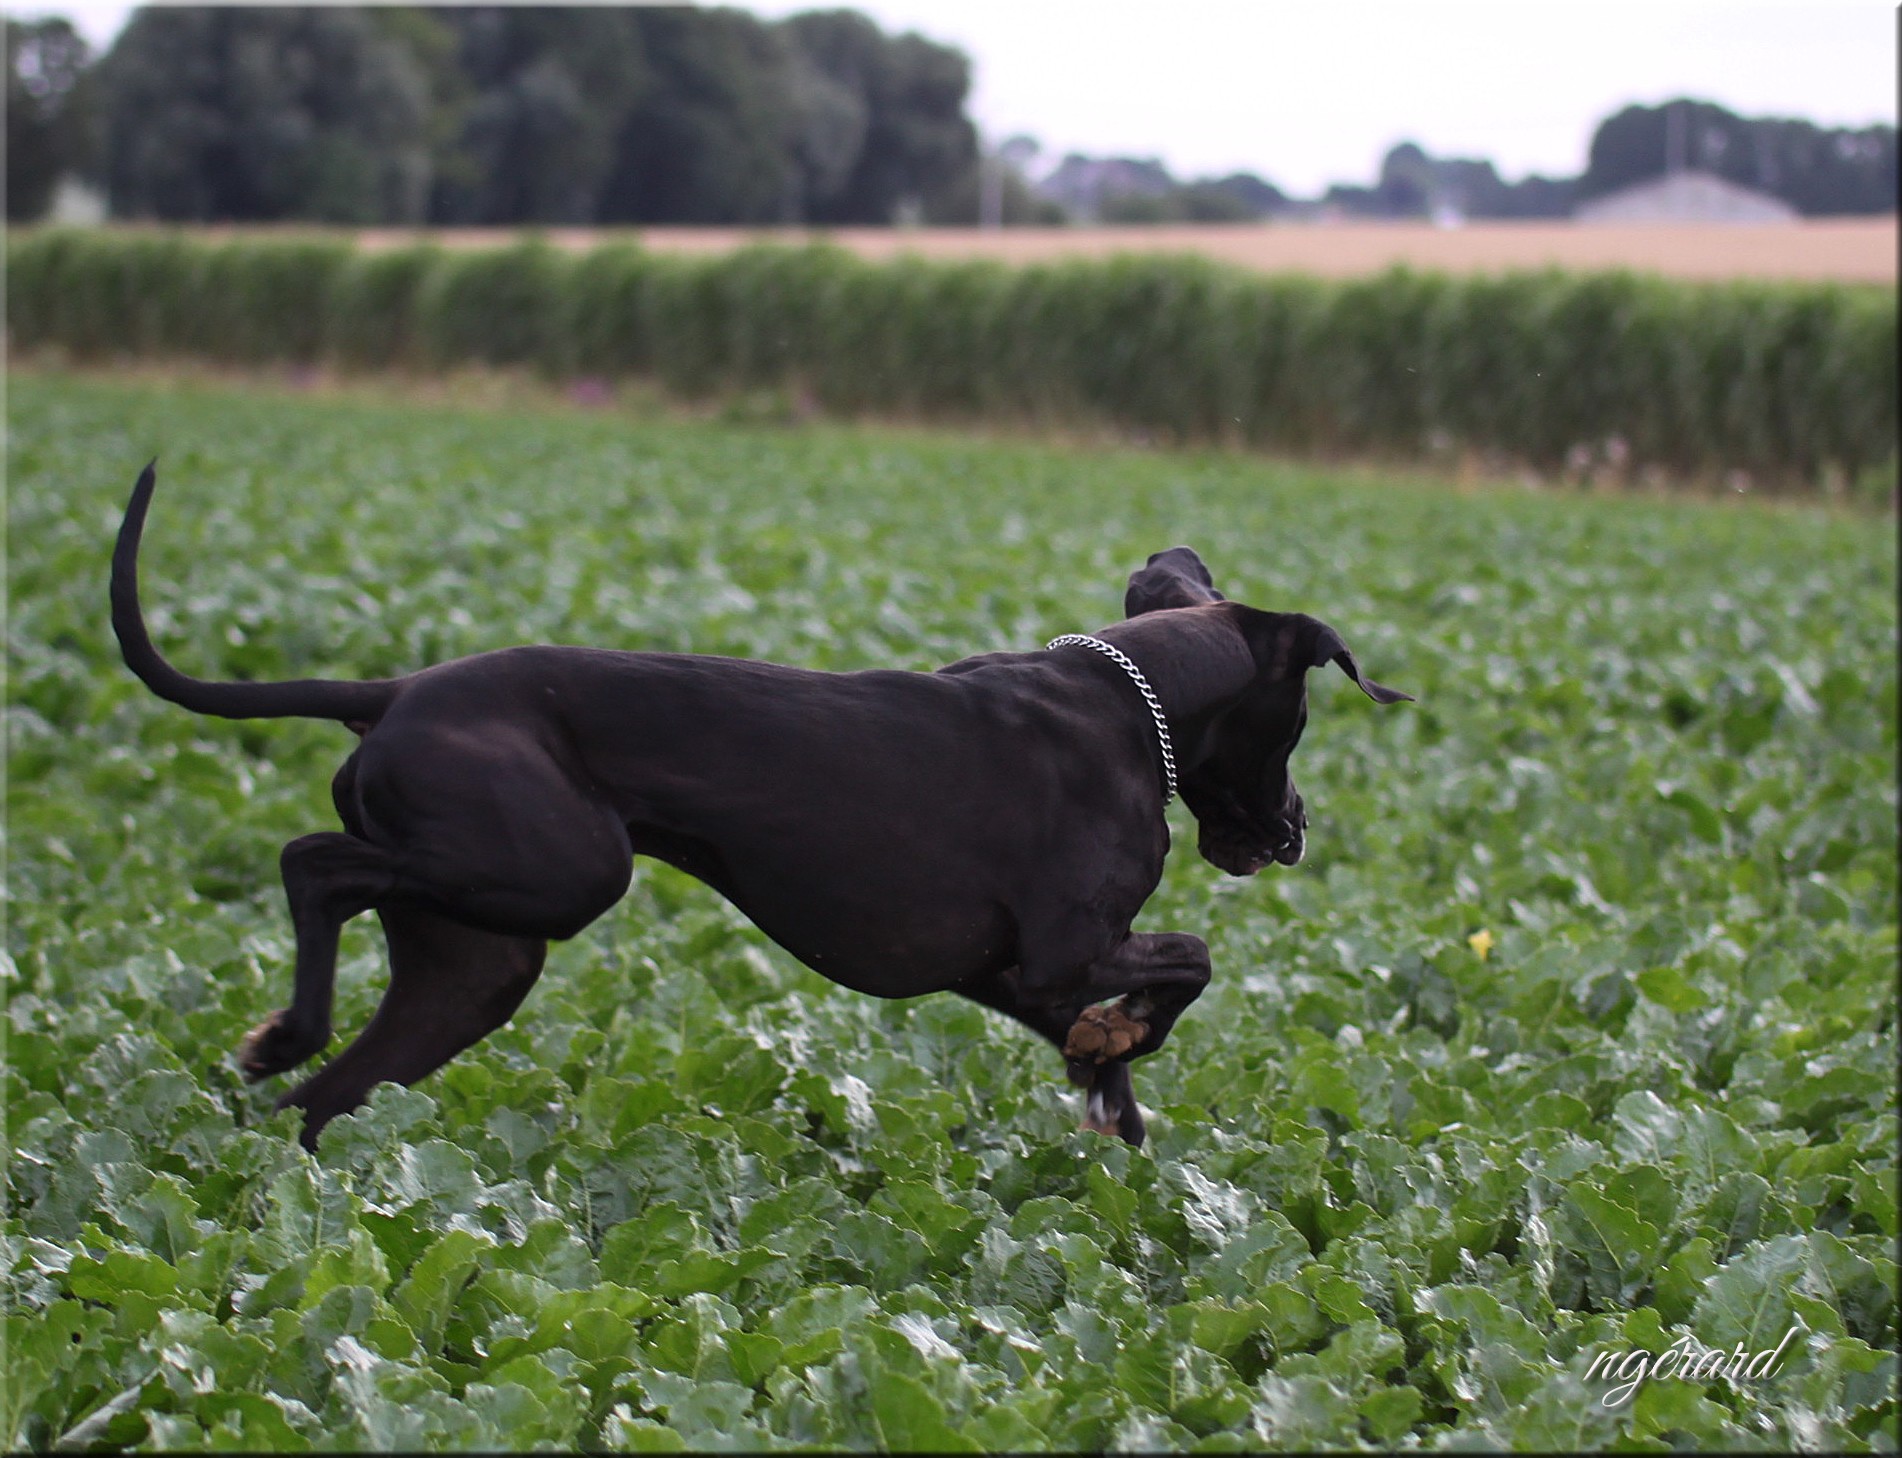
990,829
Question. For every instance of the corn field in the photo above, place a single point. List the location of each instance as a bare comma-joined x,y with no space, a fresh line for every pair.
1791,384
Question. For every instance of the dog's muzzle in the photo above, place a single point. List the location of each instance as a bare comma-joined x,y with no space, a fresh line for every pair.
1242,849
1239,859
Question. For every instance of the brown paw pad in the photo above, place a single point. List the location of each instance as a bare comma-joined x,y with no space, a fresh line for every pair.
1103,1033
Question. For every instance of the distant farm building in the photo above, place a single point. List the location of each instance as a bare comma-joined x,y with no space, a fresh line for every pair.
1686,197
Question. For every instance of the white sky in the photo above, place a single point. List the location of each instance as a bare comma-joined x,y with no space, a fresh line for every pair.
1308,92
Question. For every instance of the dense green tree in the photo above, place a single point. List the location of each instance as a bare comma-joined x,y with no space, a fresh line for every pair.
542,114
1191,202
435,50
262,114
536,126
1820,171
1408,185
1019,205
49,113
710,141
1532,196
829,119
1258,198
918,144
1415,184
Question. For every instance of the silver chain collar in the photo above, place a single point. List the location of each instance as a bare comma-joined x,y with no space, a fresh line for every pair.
1122,661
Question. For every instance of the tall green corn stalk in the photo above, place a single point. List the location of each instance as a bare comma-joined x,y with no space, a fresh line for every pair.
959,325
263,303
772,301
375,314
1788,382
684,317
1148,345
102,296
501,306
1283,401
866,335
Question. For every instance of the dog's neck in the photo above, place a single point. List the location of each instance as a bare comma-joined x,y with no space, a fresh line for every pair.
1164,740
1196,659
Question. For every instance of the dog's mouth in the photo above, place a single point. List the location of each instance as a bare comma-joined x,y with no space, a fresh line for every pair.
1245,858
1235,837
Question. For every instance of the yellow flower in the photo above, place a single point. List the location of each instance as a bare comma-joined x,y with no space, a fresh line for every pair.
1481,942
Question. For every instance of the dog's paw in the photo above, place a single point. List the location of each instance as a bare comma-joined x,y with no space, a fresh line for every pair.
1124,1122
1099,1117
1103,1033
1109,1104
272,1047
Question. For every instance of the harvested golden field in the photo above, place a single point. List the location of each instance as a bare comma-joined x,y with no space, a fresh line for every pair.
1859,250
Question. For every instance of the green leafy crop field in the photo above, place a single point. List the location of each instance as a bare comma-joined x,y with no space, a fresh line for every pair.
1573,1036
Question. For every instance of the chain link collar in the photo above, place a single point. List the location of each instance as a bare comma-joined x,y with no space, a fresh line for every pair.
1122,661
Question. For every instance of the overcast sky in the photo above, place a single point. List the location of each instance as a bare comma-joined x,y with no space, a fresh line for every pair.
1308,92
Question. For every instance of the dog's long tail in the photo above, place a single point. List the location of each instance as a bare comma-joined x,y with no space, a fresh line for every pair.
359,703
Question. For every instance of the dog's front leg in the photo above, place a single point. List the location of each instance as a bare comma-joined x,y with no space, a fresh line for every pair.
1157,976
1153,976
1109,1099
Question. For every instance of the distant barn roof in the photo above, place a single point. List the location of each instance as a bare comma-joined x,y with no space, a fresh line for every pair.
1686,197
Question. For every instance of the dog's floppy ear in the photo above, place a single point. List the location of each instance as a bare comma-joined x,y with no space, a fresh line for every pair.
1295,642
1172,579
1378,692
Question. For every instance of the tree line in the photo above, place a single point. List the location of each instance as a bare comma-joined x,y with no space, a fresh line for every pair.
1818,171
581,115
492,115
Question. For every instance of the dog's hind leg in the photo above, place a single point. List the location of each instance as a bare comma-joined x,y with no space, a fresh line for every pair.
328,878
476,850
310,863
450,986
1109,1098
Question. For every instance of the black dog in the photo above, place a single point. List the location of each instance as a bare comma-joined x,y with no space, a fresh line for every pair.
990,829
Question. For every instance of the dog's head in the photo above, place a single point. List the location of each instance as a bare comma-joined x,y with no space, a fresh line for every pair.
1234,767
